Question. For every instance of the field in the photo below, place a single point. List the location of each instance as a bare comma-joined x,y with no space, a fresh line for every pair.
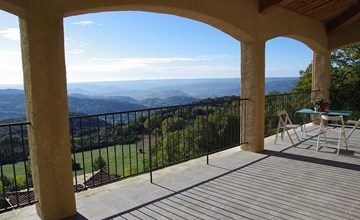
121,160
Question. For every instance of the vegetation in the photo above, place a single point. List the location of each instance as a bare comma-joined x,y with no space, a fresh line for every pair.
344,79
345,70
100,164
170,101
291,102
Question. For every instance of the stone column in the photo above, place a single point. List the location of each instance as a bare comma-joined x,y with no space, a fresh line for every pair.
42,43
253,87
321,75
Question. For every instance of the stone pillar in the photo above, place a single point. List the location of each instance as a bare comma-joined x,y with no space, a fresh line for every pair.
42,43
321,75
253,87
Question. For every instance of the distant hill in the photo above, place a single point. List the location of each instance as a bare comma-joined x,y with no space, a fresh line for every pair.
103,97
174,100
118,98
98,106
197,88
12,105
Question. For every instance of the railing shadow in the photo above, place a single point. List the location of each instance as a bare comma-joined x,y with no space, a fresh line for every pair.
180,192
312,160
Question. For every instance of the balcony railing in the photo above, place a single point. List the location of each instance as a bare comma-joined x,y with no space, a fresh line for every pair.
109,147
291,102
346,99
15,180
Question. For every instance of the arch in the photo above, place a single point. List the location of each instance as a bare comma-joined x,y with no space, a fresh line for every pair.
312,44
286,24
204,17
287,62
14,7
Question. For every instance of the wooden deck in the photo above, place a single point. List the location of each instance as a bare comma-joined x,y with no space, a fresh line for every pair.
283,182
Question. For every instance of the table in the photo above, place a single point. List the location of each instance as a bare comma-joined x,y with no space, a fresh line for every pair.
327,112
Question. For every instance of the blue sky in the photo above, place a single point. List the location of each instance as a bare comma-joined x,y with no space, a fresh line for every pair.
139,45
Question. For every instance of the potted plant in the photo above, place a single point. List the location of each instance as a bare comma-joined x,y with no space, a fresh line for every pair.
320,104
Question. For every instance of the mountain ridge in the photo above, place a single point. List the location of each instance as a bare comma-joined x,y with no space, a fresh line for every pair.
131,95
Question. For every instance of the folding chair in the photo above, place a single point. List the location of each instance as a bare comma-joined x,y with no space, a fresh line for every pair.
284,125
339,131
356,124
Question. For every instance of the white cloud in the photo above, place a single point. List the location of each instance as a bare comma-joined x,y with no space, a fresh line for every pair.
283,67
83,23
11,34
121,64
76,52
141,60
10,56
283,70
11,67
101,69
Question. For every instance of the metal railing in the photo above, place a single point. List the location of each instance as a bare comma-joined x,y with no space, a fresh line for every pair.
339,99
109,147
346,99
291,102
15,180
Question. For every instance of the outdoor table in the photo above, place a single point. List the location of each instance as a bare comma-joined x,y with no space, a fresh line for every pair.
327,112
343,113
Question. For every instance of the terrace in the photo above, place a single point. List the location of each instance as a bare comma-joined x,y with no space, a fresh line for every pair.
188,178
282,182
322,25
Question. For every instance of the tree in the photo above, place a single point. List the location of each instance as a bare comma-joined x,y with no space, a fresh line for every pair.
304,82
172,124
344,79
28,173
100,164
5,183
345,70
75,166
155,121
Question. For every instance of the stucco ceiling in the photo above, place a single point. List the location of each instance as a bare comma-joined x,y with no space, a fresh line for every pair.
335,14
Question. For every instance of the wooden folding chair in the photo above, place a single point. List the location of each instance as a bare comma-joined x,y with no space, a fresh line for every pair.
284,125
325,129
356,124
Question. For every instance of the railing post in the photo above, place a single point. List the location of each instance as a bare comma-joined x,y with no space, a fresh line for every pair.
207,125
150,155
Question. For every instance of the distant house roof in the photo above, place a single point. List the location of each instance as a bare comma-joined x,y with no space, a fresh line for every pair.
20,198
89,180
99,178
25,197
